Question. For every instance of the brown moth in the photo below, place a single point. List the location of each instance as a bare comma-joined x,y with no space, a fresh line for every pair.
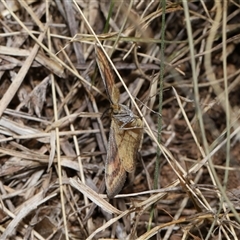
125,132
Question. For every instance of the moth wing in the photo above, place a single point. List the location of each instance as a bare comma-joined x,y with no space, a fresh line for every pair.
115,174
107,75
128,142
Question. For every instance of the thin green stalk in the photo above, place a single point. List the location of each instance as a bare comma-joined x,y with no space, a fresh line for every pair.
156,173
228,120
106,27
161,76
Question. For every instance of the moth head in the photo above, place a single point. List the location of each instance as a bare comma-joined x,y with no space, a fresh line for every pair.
122,113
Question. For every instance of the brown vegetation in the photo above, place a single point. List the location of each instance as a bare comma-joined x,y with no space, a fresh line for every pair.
54,135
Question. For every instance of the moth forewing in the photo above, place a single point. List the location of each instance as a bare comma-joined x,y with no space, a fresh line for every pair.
107,76
128,142
115,174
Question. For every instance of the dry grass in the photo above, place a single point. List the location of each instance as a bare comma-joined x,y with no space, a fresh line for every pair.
53,138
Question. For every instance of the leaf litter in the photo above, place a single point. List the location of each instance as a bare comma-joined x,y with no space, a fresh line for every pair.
53,138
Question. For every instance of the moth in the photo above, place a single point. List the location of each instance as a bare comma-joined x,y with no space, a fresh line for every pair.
125,134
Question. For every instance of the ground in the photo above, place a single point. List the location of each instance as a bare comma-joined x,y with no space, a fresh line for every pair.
176,67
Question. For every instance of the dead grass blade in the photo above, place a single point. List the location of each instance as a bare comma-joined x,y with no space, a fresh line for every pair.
27,207
21,74
93,196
